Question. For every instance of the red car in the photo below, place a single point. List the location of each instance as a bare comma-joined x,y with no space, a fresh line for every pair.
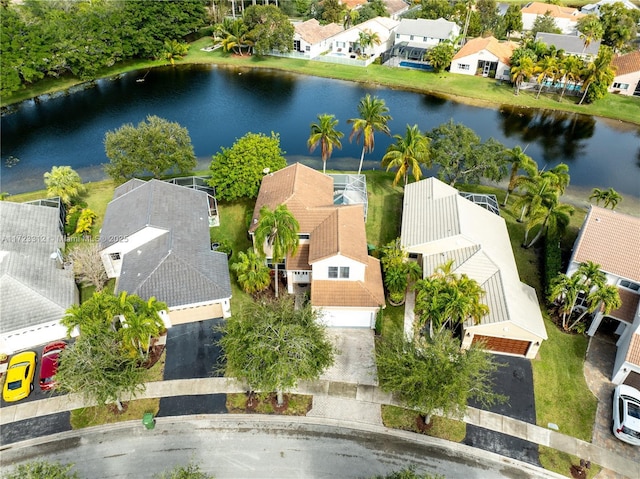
49,364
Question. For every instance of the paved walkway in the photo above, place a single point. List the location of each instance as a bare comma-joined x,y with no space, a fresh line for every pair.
342,395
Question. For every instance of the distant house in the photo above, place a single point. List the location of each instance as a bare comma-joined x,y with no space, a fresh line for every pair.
395,8
332,262
311,39
439,225
155,242
565,18
570,44
484,56
594,8
425,33
347,42
35,286
627,71
610,239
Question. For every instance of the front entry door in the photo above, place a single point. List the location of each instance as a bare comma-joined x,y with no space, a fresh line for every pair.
486,69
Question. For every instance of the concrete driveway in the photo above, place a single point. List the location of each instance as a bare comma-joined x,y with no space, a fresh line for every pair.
514,380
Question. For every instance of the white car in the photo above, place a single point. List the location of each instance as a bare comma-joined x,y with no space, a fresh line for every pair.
626,414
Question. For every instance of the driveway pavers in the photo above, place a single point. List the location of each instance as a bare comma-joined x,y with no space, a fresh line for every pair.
355,360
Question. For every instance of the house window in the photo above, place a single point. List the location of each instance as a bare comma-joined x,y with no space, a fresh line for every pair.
333,272
303,236
296,45
462,66
307,48
344,272
115,256
621,86
397,35
336,272
411,37
425,39
629,285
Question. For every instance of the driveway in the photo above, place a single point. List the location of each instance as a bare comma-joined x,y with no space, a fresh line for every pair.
514,380
192,351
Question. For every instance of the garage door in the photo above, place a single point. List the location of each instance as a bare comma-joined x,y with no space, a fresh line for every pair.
504,345
347,319
191,315
633,380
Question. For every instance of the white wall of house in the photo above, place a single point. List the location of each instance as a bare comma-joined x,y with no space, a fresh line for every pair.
625,84
200,311
110,255
320,269
418,40
31,337
503,330
468,65
348,317
311,50
566,25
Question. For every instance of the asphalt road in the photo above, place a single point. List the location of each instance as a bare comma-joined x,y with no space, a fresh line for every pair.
34,427
514,380
238,447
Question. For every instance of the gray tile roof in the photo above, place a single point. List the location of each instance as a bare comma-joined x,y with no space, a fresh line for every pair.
421,27
571,44
178,267
33,290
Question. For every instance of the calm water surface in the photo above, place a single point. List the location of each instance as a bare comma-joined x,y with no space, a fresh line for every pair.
218,105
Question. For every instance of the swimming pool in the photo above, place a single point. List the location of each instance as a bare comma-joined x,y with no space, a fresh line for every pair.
418,66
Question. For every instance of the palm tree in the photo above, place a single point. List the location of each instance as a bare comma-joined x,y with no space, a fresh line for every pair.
520,72
571,68
174,50
590,30
253,275
610,197
598,70
141,323
598,195
519,161
368,38
324,133
538,191
65,182
277,229
604,298
558,176
408,153
373,117
552,219
547,67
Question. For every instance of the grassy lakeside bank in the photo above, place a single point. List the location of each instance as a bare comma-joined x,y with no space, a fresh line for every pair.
473,90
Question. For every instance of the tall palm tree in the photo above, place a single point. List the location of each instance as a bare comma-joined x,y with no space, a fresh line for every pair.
538,192
605,298
552,220
65,182
324,133
368,38
408,153
374,116
598,70
598,195
571,68
520,72
277,229
590,29
558,176
547,67
611,198
519,161
253,275
141,324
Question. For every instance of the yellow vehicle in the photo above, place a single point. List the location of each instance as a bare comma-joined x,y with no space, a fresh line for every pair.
20,373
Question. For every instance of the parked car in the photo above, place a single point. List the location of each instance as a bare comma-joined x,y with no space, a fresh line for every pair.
626,414
19,382
49,366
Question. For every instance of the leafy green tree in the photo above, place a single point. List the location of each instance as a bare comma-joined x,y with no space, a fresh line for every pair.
590,29
512,20
368,38
372,9
571,69
408,153
434,9
233,36
236,172
610,197
42,470
155,146
462,157
552,219
520,72
65,182
175,50
331,11
605,298
277,230
544,23
432,374
440,56
190,471
619,24
273,345
269,28
374,116
519,161
597,76
489,17
547,67
85,222
253,275
399,271
325,135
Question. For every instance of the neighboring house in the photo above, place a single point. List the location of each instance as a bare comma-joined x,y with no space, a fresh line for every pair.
611,240
439,225
627,71
395,8
484,56
595,7
36,287
421,33
155,241
347,43
311,39
566,18
332,259
570,44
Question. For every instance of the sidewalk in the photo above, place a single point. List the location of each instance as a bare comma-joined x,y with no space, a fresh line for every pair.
333,393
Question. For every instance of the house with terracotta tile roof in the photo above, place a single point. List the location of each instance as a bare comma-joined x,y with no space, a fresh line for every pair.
484,56
332,262
440,224
565,18
612,240
310,39
627,79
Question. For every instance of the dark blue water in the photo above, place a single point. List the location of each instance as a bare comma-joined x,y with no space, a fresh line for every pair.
218,105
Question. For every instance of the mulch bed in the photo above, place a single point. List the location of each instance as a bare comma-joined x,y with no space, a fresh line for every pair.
113,408
421,425
155,353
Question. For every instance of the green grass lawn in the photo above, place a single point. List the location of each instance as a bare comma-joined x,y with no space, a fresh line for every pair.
298,404
442,427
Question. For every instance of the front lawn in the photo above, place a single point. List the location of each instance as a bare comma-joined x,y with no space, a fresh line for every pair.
442,427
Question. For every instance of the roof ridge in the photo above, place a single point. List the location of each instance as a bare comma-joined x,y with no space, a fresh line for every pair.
35,291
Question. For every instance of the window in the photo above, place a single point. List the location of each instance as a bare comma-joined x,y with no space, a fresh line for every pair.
425,39
115,256
296,45
462,66
303,236
397,35
307,48
629,285
621,86
411,37
333,271
344,272
341,272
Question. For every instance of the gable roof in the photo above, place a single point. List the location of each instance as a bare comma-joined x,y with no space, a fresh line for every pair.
341,233
571,44
502,50
367,294
556,11
33,288
351,4
178,266
628,63
633,353
439,28
312,32
443,225
611,240
395,7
